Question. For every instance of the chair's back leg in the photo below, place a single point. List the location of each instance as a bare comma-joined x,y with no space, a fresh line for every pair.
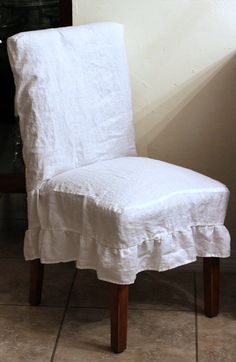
119,316
36,282
211,275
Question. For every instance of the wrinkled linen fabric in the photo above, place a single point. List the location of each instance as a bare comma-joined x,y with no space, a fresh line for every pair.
126,215
73,97
90,199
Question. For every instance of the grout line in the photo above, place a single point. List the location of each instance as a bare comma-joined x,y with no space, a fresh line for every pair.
132,308
196,315
15,305
63,317
29,306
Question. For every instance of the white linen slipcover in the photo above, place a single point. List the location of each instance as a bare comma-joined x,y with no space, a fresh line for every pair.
126,215
89,198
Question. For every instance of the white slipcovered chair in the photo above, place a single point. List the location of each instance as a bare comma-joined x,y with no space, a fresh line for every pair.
90,198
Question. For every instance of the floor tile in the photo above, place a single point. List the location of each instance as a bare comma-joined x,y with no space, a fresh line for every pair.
28,334
152,336
216,338
88,291
14,282
152,290
57,283
169,290
227,293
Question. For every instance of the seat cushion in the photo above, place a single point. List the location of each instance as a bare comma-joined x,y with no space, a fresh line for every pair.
126,215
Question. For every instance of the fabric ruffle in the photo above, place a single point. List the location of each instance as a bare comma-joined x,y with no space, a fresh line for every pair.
165,251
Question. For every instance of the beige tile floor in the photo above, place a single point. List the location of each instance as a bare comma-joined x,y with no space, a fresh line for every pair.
166,322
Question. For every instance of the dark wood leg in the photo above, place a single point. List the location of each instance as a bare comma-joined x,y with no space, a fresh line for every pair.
119,316
211,271
36,282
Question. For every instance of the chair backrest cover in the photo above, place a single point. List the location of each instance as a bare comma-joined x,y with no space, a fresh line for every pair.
72,98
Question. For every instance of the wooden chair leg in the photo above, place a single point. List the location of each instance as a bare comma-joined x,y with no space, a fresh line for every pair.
119,316
211,275
36,282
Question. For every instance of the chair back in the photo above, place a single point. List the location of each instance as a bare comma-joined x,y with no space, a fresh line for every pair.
72,98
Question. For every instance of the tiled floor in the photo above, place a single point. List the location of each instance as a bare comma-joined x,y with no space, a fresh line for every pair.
166,322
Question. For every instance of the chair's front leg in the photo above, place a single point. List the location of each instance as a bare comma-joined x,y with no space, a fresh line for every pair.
36,282
119,316
211,274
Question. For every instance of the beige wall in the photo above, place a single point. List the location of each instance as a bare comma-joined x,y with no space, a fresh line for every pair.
183,72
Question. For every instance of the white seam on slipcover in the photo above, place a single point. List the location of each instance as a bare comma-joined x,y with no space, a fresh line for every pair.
104,205
155,258
119,210
156,238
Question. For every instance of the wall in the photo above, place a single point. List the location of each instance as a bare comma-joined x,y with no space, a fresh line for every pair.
183,73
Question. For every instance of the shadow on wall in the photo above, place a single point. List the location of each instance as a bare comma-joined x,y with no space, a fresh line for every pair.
200,130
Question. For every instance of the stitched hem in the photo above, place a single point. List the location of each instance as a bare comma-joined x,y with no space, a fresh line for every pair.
121,266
